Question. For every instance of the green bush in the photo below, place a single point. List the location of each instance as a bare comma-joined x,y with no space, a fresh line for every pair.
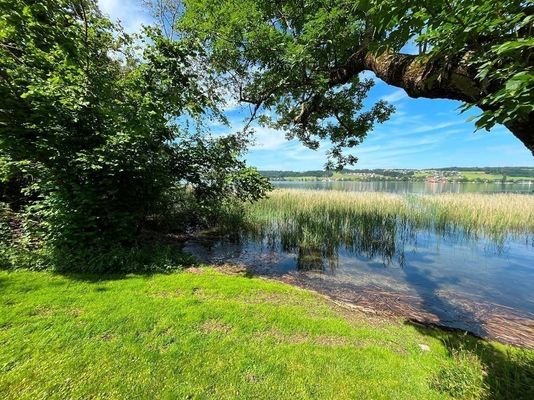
461,379
90,138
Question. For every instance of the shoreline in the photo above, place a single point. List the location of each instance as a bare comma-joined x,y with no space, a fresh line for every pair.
494,322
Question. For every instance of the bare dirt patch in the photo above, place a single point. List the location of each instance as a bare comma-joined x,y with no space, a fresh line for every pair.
43,311
215,326
166,294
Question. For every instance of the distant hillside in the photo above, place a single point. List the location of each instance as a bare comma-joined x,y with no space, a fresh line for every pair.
508,171
461,174
292,174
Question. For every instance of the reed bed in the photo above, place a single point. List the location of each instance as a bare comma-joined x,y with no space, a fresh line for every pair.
487,213
318,223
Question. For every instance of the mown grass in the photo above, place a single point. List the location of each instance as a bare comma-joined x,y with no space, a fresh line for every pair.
206,335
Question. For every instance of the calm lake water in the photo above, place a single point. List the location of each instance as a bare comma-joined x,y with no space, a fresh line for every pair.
453,278
408,187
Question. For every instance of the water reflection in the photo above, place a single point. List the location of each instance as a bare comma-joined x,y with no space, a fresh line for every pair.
406,187
312,259
371,236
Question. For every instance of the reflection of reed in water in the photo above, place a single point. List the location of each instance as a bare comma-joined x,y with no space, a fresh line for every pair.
311,259
317,246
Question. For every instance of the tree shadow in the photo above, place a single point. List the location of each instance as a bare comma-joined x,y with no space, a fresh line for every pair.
508,372
449,315
87,277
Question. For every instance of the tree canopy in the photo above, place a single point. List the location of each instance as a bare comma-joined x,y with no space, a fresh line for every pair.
90,142
302,60
102,133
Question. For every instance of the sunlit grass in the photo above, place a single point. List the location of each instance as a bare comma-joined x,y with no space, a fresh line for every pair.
206,335
489,212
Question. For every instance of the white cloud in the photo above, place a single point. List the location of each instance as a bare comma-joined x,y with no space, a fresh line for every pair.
131,13
367,75
384,152
231,104
109,7
395,96
433,127
268,139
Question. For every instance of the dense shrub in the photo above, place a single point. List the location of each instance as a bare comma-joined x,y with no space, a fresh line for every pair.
90,135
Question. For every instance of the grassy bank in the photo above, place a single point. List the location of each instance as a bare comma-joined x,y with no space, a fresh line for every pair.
213,336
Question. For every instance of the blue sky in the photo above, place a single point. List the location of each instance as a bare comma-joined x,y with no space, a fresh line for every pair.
423,133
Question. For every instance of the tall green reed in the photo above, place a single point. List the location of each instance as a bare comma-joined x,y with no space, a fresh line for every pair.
319,223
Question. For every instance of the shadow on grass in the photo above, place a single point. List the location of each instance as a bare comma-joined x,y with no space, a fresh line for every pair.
143,261
508,373
89,277
101,277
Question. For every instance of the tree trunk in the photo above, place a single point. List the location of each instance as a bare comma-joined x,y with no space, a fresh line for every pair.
524,131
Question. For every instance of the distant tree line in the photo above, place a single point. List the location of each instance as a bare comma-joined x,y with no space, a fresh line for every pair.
508,171
401,173
296,174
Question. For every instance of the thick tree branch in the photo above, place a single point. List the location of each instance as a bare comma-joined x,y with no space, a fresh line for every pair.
523,129
419,76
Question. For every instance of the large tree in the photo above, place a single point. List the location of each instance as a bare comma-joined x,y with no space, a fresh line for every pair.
302,59
90,147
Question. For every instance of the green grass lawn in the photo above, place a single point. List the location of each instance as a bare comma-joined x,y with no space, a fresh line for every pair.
206,335
473,175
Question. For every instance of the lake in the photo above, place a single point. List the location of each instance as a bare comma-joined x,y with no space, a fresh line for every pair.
408,187
453,275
